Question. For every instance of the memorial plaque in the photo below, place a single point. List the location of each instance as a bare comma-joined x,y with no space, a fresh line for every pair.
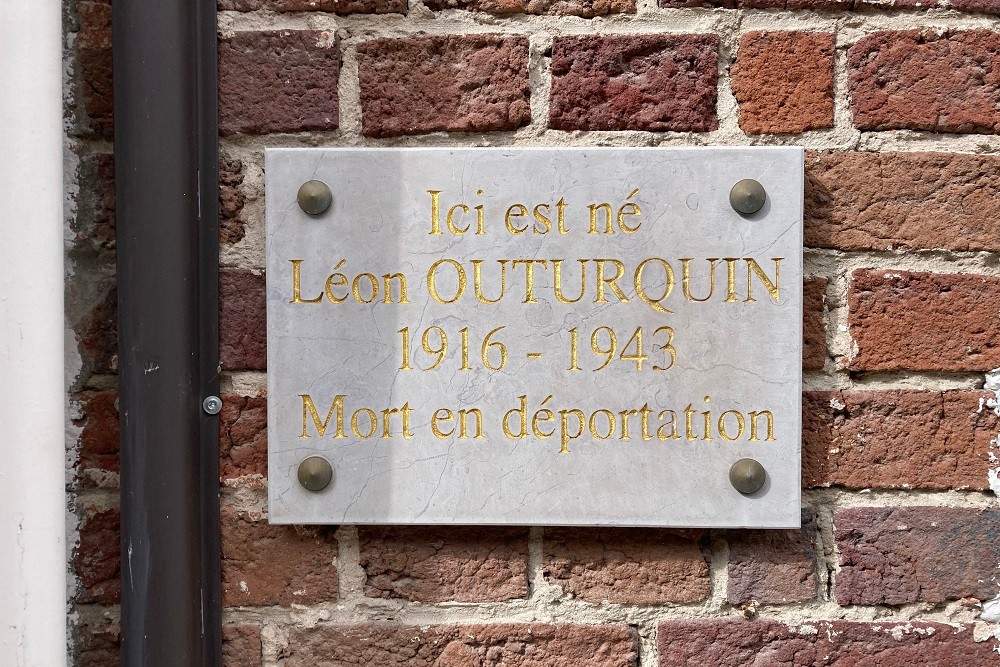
571,336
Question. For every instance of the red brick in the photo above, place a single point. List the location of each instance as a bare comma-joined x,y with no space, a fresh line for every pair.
243,437
265,565
896,556
440,564
506,644
881,201
773,566
862,4
924,321
96,637
631,566
737,643
94,26
919,80
812,5
928,440
97,333
241,646
783,81
634,82
335,6
584,8
94,62
813,327
278,81
99,438
984,6
242,320
458,83
97,557
816,5
232,227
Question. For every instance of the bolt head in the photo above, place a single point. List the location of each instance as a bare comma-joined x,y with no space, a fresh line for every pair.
748,476
315,473
315,197
747,197
212,405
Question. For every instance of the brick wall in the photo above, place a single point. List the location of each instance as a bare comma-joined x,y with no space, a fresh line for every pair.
898,105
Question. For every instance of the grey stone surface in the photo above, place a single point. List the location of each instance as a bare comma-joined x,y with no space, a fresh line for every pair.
745,356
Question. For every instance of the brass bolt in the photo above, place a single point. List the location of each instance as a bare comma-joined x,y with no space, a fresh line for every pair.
315,473
748,476
315,197
747,197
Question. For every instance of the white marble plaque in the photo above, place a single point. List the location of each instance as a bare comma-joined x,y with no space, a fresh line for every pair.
572,336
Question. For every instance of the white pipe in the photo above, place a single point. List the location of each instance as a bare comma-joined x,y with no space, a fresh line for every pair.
32,451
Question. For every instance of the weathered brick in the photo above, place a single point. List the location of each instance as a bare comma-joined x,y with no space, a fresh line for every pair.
97,557
98,438
243,437
95,217
507,644
232,227
621,565
634,82
862,4
97,637
94,65
891,555
334,6
584,8
879,201
984,6
444,563
242,320
94,24
278,81
773,566
97,333
457,83
813,327
783,81
241,646
924,321
896,439
737,643
920,80
266,565
814,5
